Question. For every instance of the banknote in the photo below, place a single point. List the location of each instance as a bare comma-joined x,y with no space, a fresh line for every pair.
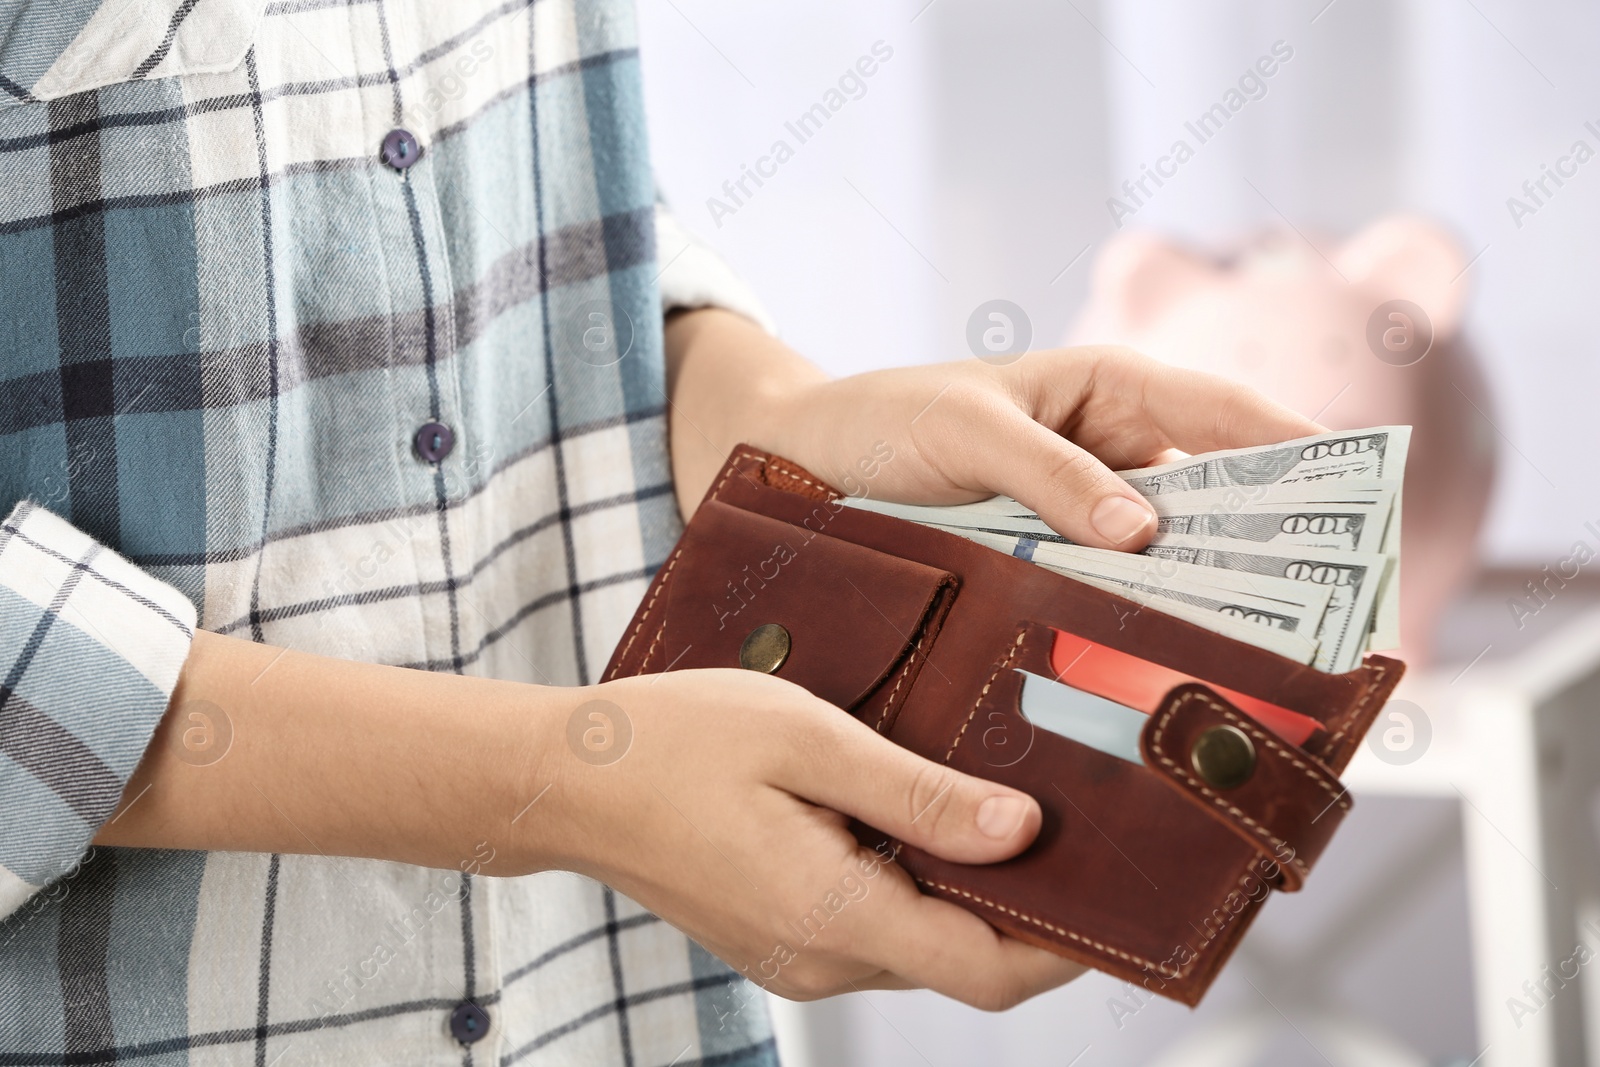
1284,642
1228,498
1350,528
1356,526
1354,577
1367,454
1296,539
1380,498
1231,497
1267,592
1379,452
1237,604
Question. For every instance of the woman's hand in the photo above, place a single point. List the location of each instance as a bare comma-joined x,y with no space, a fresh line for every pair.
1047,429
722,816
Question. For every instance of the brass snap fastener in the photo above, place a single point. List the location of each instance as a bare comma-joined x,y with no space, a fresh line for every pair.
1224,756
765,649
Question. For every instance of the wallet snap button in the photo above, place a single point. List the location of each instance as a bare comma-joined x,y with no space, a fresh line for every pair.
765,648
1224,756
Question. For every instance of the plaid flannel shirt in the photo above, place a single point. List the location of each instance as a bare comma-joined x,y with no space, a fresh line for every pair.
236,341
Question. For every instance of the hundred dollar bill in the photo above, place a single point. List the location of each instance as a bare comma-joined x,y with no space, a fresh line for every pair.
1367,454
1257,601
1354,578
1349,528
1379,452
1380,498
1337,492
1249,630
1358,527
1231,497
1155,571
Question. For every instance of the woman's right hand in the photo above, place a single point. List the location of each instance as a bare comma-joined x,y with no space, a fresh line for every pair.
727,815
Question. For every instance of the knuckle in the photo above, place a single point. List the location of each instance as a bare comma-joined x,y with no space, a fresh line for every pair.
1235,414
1075,472
1073,464
806,979
1116,359
812,739
789,719
929,801
958,418
1000,994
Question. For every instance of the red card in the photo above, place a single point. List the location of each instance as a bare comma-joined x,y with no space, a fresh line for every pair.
1138,683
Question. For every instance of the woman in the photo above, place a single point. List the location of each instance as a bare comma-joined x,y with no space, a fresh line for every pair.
337,343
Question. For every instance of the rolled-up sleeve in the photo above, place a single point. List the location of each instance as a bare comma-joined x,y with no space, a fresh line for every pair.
90,650
693,276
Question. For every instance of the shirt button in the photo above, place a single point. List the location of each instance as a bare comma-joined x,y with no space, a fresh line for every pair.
434,441
469,1023
400,149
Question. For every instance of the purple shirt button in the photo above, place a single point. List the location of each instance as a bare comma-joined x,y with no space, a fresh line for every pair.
401,149
434,441
469,1023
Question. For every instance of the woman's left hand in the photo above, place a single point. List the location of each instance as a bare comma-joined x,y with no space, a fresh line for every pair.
1048,428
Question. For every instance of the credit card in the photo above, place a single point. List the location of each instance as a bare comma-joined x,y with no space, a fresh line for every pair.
1136,683
1082,717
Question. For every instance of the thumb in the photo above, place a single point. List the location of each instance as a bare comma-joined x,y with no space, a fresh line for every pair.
854,770
1073,492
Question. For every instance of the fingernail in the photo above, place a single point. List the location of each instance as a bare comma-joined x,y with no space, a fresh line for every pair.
1000,817
1116,518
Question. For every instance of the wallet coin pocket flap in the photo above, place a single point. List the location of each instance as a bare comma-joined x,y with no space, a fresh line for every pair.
752,591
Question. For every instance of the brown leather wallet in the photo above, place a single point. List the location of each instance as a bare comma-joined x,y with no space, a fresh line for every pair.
1148,872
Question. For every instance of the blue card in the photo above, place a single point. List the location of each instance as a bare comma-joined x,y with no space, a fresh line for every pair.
1090,720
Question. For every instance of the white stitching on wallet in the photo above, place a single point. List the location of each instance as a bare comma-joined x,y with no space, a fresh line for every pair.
1378,670
902,680
666,575
787,474
986,687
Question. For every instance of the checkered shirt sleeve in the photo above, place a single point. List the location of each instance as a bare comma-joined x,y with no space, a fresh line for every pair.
694,276
90,649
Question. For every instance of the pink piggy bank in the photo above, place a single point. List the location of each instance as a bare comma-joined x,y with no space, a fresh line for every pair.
1367,334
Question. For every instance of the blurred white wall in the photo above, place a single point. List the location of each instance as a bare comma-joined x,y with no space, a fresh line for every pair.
724,82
